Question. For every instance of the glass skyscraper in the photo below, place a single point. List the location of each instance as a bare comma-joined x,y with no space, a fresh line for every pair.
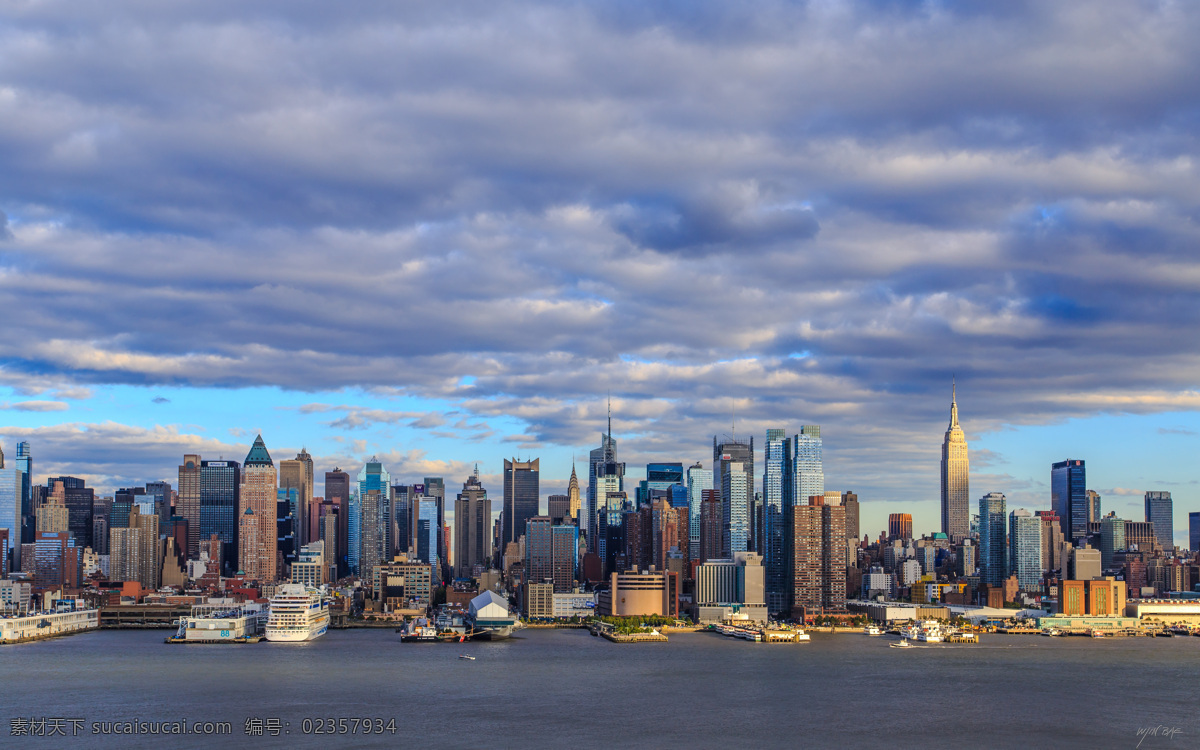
522,495
220,485
733,476
427,531
993,549
10,508
776,573
804,472
1025,549
1068,498
1194,532
373,476
1160,514
699,479
25,464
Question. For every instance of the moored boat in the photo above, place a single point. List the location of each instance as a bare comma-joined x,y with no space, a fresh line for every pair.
297,614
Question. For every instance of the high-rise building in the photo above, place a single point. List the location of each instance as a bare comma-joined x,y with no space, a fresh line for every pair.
426,545
1112,540
337,491
777,576
573,502
472,527
435,487
558,507
373,477
287,505
297,474
733,478
1025,549
188,502
52,516
11,518
220,498
551,551
956,493
25,466
993,537
1093,506
1160,513
160,493
804,470
1068,498
521,496
699,479
257,530
55,559
669,535
816,543
850,502
79,501
1052,540
900,526
710,526
659,476
1194,532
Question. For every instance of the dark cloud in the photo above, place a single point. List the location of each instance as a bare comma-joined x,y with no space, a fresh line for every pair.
5,232
160,400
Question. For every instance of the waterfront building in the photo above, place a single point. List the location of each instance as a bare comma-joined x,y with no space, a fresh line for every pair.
993,547
1160,514
521,496
1068,498
899,526
726,587
472,526
639,594
1025,549
257,530
220,498
1093,506
337,492
699,479
816,543
550,553
956,493
710,526
1112,540
1102,597
187,502
403,584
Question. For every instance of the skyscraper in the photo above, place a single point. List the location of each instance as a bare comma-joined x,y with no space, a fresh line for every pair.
1068,498
521,496
956,493
900,526
25,466
816,544
1112,539
161,494
1025,549
10,509
573,504
733,477
850,501
472,527
603,469
1161,514
220,485
659,476
426,545
1194,532
993,549
79,501
804,470
710,526
297,474
337,491
550,553
373,477
372,515
558,507
287,505
188,502
776,573
1093,506
257,529
435,487
699,479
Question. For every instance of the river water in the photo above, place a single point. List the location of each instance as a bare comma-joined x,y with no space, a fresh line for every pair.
565,688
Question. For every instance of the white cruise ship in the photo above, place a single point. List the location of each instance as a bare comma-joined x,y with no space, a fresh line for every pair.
297,613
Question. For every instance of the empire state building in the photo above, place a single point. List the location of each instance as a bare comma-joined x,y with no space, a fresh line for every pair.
956,493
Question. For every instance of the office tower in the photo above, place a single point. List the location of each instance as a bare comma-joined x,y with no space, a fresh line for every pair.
472,527
850,503
427,530
123,502
257,529
160,492
558,507
337,491
373,546
309,567
101,514
220,487
55,559
816,543
899,526
573,502
605,474
403,517
804,471
993,549
435,487
967,559
150,571
1194,532
1140,535
52,516
24,464
11,518
1160,514
956,493
79,500
775,566
1025,549
373,477
733,478
550,553
659,476
1093,506
188,502
711,522
287,505
1052,540
297,474
521,496
699,479
669,535
330,532
1112,540
5,547
1068,498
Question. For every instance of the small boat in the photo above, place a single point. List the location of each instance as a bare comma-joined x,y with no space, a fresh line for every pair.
466,656
872,630
1097,634
1052,632
902,644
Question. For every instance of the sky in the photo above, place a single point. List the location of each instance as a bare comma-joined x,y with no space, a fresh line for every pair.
443,234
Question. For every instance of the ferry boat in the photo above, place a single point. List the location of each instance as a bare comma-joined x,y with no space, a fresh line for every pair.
1052,632
902,644
297,614
927,631
872,630
467,657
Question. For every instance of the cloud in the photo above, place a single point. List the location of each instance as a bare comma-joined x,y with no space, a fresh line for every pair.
37,406
1122,491
5,232
1176,431
160,400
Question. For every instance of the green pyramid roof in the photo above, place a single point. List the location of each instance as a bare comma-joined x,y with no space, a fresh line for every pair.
258,455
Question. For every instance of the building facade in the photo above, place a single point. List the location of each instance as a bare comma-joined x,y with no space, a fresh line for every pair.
257,522
1068,498
993,547
521,496
956,493
1160,514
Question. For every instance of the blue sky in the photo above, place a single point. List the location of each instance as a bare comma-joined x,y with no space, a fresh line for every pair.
443,234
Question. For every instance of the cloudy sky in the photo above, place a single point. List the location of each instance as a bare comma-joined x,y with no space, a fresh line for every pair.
442,233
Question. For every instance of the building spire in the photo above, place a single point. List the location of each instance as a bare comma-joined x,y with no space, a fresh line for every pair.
953,402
